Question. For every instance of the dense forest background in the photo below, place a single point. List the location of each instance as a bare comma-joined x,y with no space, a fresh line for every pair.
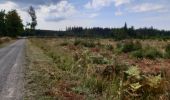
11,25
115,33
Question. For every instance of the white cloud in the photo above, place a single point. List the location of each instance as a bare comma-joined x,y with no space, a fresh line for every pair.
57,12
146,7
120,2
93,15
118,13
47,15
8,6
98,4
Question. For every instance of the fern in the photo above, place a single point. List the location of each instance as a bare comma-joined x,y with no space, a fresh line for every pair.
133,72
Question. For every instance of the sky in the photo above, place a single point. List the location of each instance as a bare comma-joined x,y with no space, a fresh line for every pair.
59,14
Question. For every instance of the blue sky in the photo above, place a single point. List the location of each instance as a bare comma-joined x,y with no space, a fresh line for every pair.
59,14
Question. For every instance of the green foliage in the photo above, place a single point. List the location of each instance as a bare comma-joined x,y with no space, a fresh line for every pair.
14,24
89,43
138,54
90,67
77,42
128,46
2,23
152,53
133,72
119,68
65,43
10,24
167,51
98,59
135,86
81,90
63,61
86,43
153,81
138,85
95,85
148,52
109,47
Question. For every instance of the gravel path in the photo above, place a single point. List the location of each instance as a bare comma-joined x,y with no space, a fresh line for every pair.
11,71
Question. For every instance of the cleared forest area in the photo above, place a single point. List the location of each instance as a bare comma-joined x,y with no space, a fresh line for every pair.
83,68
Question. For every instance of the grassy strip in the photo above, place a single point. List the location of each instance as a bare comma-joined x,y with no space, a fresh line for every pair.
39,77
44,81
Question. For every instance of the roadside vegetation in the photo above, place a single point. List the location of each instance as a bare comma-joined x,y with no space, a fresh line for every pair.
5,40
98,69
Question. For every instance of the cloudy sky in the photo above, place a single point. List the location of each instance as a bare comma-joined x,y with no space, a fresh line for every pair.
59,14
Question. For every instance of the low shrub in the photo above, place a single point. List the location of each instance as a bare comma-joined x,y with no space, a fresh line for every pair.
109,47
152,53
120,68
148,52
167,51
138,54
65,43
95,85
85,43
77,42
129,46
88,43
99,60
140,86
4,39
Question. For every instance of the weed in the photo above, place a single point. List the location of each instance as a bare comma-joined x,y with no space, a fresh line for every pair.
109,47
138,54
129,46
98,59
65,43
167,51
77,42
99,74
152,53
148,52
86,43
89,43
139,86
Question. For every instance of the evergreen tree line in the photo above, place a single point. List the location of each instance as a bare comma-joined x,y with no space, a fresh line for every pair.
115,33
119,33
10,24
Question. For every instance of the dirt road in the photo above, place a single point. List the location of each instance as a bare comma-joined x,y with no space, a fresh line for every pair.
11,71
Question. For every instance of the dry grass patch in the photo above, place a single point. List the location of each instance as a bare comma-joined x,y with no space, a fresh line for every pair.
44,81
79,69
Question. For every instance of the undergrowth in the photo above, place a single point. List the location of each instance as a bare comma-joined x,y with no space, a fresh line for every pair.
95,73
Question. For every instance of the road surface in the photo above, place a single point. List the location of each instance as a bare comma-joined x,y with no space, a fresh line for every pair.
11,71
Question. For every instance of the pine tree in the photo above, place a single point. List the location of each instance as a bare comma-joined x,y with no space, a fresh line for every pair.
125,27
